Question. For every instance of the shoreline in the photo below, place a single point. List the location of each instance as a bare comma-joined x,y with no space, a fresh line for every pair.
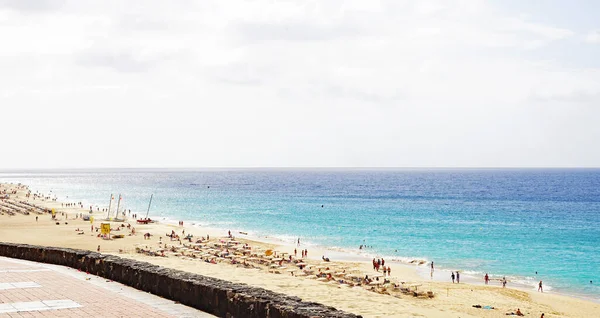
406,271
345,255
522,282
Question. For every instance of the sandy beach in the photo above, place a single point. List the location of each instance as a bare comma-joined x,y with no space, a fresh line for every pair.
408,294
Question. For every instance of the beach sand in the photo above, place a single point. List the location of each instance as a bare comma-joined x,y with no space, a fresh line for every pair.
450,300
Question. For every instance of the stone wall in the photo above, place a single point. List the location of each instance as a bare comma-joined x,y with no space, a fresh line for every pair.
212,295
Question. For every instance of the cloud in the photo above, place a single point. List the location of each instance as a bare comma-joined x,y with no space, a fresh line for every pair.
577,97
290,31
121,61
376,83
37,6
593,37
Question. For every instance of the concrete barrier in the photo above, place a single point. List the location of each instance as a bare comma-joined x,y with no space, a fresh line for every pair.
218,297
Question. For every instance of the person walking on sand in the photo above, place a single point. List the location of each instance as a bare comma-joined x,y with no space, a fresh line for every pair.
298,241
431,274
295,253
540,288
452,276
457,277
486,278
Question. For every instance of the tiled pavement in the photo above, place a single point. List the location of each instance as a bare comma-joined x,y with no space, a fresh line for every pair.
29,289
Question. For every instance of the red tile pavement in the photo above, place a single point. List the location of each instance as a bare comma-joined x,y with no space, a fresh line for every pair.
93,293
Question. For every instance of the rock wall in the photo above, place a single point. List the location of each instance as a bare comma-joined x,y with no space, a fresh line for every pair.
215,296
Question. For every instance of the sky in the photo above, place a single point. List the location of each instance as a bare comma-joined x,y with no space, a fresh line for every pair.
282,83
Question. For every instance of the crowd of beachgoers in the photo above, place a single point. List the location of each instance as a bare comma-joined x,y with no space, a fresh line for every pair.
228,249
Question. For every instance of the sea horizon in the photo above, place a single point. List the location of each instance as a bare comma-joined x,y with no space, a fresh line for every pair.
290,168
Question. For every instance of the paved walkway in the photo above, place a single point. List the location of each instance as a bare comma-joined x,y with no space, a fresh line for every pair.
29,289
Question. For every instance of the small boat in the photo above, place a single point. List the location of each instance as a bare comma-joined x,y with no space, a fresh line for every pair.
147,220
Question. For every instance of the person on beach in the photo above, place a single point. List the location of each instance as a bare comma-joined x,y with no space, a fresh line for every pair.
486,278
457,277
298,241
305,253
519,313
431,274
389,271
452,276
295,253
540,288
504,282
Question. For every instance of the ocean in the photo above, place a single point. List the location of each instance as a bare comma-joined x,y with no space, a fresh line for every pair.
505,222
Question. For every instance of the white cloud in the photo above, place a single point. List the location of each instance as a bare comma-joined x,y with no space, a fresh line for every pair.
593,37
289,83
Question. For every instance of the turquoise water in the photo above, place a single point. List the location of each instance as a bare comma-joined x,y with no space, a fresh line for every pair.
504,222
